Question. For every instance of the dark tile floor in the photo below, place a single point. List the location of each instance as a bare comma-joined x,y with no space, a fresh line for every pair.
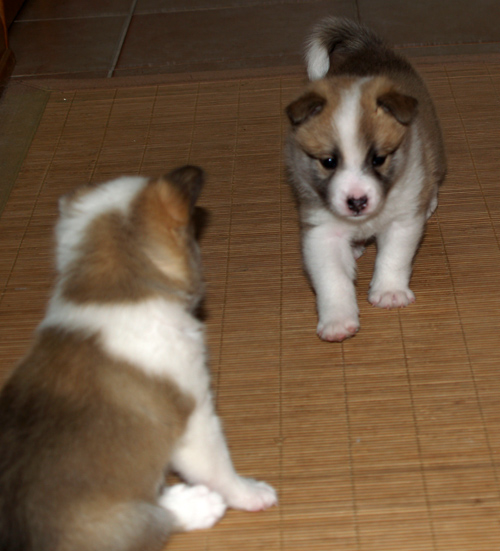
111,38
106,38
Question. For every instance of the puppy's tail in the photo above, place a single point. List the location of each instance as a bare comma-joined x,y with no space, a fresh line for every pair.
333,39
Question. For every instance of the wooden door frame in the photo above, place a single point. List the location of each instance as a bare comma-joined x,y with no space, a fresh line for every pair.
7,60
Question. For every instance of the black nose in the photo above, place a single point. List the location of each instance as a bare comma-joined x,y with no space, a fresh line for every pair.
357,204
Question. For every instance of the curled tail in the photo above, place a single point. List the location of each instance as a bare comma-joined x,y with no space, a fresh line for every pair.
336,37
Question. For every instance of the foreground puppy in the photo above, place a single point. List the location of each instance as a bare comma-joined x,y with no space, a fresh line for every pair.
115,389
366,158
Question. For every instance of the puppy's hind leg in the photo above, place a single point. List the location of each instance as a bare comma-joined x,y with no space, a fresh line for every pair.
142,526
134,526
202,457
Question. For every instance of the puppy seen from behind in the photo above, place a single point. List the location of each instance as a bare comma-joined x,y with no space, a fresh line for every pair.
365,158
115,388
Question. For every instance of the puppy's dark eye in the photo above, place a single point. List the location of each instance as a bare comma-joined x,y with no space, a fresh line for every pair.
378,160
329,163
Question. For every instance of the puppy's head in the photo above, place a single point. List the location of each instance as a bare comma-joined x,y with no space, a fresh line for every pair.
347,142
131,239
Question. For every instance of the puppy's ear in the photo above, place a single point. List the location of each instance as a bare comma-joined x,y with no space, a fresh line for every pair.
402,108
307,106
188,180
174,195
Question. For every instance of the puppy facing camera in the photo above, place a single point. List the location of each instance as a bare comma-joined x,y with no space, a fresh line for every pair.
365,158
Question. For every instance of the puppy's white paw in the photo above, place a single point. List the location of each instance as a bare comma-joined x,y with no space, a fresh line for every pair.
398,298
195,507
337,330
252,495
432,206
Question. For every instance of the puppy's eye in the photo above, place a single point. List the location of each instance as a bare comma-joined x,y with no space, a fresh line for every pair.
378,160
329,163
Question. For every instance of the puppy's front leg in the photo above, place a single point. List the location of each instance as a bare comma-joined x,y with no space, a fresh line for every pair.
396,246
329,259
202,457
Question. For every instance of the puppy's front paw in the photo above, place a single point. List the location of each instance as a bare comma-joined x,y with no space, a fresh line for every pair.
432,206
337,330
397,298
194,507
252,495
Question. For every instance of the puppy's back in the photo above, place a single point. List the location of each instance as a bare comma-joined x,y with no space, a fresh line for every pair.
82,434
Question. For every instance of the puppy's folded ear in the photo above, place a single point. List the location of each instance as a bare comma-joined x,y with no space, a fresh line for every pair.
189,180
307,106
175,194
402,108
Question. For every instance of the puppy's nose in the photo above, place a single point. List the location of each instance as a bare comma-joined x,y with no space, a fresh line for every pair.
357,204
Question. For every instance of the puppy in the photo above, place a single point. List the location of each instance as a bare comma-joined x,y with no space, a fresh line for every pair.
365,157
115,389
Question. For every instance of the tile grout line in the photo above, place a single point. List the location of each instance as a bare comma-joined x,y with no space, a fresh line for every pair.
358,11
121,40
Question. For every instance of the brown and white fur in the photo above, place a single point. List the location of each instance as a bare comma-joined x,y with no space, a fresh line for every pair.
115,388
365,158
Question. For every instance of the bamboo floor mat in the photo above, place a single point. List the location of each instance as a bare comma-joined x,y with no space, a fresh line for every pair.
389,441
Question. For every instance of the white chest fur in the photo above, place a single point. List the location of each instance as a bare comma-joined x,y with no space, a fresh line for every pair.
156,336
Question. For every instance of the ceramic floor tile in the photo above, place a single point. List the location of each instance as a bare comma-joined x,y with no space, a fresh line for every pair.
203,35
45,9
263,36
431,22
160,6
66,46
422,50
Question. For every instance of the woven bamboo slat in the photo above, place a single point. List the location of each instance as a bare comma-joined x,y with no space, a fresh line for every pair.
389,441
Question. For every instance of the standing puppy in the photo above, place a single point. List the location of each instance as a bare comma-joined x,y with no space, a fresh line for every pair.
366,158
115,388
